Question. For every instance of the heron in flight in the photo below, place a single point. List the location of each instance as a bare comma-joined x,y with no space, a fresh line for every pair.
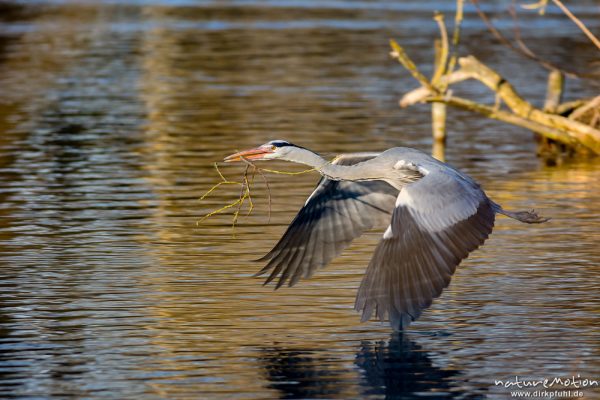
434,217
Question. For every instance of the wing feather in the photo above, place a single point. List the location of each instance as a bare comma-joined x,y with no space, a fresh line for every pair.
436,223
336,213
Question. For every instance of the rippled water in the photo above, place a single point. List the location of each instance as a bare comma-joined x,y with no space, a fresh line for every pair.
111,116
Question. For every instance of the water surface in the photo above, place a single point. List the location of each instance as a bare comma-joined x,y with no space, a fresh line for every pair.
112,114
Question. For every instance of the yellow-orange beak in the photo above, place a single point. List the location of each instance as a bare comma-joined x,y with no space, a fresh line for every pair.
252,154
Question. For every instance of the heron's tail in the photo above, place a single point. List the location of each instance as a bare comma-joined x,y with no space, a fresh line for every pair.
528,217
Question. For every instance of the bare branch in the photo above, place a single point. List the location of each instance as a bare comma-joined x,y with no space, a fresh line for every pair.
593,103
420,94
578,22
442,61
399,54
491,112
567,107
554,91
523,49
458,17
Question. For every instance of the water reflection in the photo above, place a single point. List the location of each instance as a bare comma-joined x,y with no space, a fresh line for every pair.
397,368
301,374
401,368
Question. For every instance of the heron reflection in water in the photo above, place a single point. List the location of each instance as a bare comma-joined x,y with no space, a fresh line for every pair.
435,216
397,369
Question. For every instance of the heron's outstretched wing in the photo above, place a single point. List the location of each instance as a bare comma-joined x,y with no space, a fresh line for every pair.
336,213
438,220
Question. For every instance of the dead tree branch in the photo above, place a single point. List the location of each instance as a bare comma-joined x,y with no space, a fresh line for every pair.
555,127
521,48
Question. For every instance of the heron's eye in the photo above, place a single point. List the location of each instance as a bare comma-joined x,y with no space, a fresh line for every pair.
273,147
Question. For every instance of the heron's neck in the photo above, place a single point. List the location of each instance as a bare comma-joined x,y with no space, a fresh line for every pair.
358,172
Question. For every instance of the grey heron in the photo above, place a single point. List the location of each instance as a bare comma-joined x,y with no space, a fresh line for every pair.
433,215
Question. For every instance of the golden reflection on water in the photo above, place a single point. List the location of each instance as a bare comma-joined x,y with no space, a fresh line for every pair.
112,117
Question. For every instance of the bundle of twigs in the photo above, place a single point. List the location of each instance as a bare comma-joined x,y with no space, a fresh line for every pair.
245,194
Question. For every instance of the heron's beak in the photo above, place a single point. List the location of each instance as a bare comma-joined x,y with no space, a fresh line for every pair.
251,154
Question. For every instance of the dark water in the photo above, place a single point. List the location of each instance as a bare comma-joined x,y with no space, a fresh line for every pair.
111,115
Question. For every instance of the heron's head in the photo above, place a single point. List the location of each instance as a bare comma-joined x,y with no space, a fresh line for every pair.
275,149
